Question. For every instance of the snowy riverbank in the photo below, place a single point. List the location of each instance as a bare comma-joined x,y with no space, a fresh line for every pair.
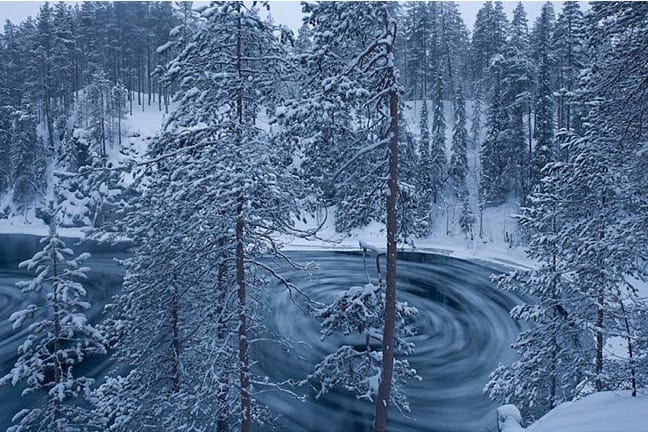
612,411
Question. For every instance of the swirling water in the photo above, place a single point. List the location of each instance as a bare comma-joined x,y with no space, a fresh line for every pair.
463,325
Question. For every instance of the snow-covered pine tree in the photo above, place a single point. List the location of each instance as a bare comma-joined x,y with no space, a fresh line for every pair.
614,130
476,120
420,33
517,101
43,79
363,75
359,311
425,170
320,126
458,170
59,339
491,189
408,199
553,353
520,43
597,209
213,193
96,115
454,47
488,39
63,56
27,157
543,132
5,126
570,51
173,297
118,99
438,144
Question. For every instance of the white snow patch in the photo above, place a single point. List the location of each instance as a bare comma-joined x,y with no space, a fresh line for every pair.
600,412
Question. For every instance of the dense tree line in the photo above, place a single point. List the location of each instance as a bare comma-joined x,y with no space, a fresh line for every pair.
81,65
586,216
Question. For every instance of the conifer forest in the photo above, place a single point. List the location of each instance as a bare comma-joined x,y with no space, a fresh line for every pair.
389,216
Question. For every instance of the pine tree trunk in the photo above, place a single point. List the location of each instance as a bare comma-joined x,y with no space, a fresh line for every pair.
57,333
384,389
175,342
600,314
244,361
119,119
554,372
221,333
554,295
599,340
148,67
631,360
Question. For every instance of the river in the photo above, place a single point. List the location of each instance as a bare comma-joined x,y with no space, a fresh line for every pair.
464,331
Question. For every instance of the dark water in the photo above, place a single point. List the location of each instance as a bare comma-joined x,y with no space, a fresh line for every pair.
463,324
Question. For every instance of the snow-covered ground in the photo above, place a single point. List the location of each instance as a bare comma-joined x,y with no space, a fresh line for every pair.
137,132
613,411
493,249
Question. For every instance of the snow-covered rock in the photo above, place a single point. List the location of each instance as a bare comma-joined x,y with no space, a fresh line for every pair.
509,419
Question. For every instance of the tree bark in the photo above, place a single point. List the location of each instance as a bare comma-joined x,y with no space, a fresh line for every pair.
599,340
58,370
175,342
244,361
222,424
384,388
631,360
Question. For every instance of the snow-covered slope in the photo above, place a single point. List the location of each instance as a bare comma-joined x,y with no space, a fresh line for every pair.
612,411
138,130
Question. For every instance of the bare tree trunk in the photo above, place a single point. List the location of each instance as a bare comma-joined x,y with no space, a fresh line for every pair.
244,361
384,388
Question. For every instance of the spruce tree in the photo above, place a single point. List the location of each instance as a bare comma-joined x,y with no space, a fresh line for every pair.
59,339
438,145
425,176
570,58
517,97
488,38
553,352
458,169
544,151
491,189
27,158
